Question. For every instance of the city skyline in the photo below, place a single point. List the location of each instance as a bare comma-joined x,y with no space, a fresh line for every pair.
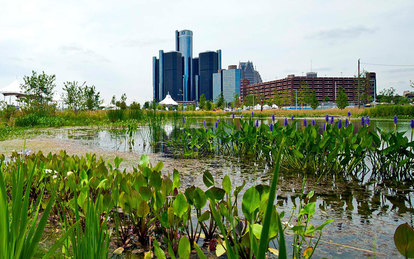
111,46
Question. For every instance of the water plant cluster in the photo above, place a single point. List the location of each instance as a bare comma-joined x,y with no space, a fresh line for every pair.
336,147
99,210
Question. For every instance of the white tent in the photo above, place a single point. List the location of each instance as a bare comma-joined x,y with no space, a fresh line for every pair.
12,89
168,101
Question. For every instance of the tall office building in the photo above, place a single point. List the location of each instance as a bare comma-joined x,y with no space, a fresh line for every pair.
184,45
248,72
185,78
208,64
227,82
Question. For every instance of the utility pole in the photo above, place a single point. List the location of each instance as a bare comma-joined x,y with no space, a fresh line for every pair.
359,92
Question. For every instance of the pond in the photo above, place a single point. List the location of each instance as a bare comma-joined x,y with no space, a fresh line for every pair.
365,212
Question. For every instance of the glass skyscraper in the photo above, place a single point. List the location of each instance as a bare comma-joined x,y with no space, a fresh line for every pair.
228,83
184,45
185,78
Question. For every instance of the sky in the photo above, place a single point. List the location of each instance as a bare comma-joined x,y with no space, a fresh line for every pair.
110,44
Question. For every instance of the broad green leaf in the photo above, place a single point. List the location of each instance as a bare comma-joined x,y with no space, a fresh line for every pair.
180,205
208,179
251,201
227,184
158,251
184,248
404,240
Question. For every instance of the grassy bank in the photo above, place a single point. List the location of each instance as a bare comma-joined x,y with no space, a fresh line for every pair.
107,117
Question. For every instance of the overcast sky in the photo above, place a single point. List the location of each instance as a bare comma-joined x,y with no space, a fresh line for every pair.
110,44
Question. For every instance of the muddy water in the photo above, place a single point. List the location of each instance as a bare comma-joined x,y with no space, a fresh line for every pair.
366,213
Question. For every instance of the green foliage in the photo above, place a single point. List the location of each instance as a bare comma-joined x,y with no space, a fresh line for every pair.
208,105
404,240
342,99
20,228
219,102
313,100
403,111
202,102
38,88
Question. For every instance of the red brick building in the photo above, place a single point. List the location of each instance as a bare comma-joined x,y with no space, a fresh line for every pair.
323,86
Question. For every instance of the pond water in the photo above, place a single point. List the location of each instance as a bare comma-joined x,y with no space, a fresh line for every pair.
366,213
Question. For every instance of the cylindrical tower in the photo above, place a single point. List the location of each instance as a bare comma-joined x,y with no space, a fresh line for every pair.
184,44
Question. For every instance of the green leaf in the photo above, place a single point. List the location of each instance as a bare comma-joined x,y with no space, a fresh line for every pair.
251,201
227,184
158,251
184,248
404,240
324,224
208,179
143,209
180,205
199,198
215,193
205,216
176,179
144,161
200,253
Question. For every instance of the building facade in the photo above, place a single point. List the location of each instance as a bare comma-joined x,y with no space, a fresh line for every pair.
326,88
227,82
181,75
248,72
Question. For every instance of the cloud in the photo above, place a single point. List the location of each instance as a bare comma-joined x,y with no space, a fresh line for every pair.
132,43
79,51
341,33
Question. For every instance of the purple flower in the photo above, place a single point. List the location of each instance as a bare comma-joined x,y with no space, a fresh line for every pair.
286,122
346,123
339,124
233,115
363,121
327,118
332,119
367,120
349,114
273,117
324,126
305,123
252,113
216,124
183,120
395,120
313,122
241,116
257,123
271,126
291,117
205,125
412,124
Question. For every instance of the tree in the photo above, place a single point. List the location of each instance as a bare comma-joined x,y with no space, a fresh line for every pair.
313,101
38,89
304,94
326,99
146,104
72,95
248,100
202,102
386,95
237,103
208,105
135,106
90,97
342,99
220,101
278,99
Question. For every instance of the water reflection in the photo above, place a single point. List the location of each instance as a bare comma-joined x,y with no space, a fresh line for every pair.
370,201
